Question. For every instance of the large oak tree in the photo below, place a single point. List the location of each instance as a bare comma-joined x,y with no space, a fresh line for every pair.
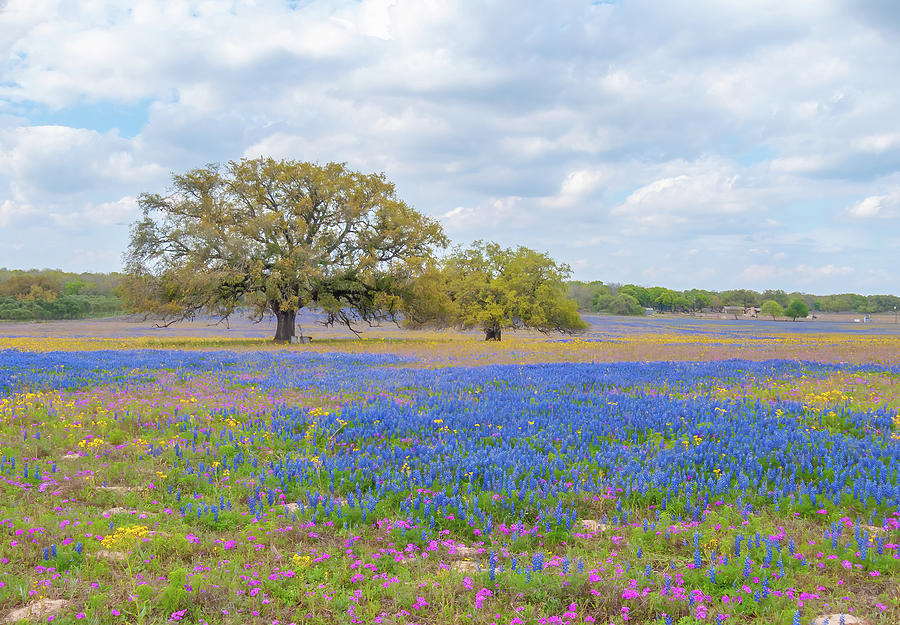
274,237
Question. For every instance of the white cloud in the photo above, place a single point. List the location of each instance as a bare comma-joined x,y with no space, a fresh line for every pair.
121,213
706,193
879,142
580,182
576,186
884,206
798,164
496,212
799,274
10,211
62,160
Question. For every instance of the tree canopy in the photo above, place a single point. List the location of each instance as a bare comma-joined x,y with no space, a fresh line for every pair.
624,304
797,308
274,237
492,288
771,307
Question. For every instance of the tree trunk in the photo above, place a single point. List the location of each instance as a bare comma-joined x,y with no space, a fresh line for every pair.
492,333
284,331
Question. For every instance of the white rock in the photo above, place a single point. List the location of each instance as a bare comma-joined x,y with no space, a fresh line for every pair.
117,510
835,619
465,566
116,556
592,525
462,551
119,489
37,610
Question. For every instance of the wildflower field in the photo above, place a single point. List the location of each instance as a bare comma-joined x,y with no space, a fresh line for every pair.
651,478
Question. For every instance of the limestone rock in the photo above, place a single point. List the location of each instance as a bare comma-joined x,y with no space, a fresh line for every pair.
115,556
835,619
592,525
119,489
118,510
461,551
465,566
39,610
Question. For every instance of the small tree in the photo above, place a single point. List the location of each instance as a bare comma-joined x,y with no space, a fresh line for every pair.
624,304
771,307
492,288
797,308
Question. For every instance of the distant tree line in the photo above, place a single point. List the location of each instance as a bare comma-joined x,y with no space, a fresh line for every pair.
631,299
53,294
43,294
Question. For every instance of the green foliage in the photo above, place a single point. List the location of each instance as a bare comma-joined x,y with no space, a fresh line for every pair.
745,298
771,307
601,302
117,437
492,288
584,293
275,237
639,293
101,284
62,307
797,308
38,295
79,287
698,299
174,596
597,296
778,296
667,299
26,286
624,304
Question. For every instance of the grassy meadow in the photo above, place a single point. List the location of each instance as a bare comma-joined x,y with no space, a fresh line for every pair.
668,475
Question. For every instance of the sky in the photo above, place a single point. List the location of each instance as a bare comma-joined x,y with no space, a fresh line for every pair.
685,143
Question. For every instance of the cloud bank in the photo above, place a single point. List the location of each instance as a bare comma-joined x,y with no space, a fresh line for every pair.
691,144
